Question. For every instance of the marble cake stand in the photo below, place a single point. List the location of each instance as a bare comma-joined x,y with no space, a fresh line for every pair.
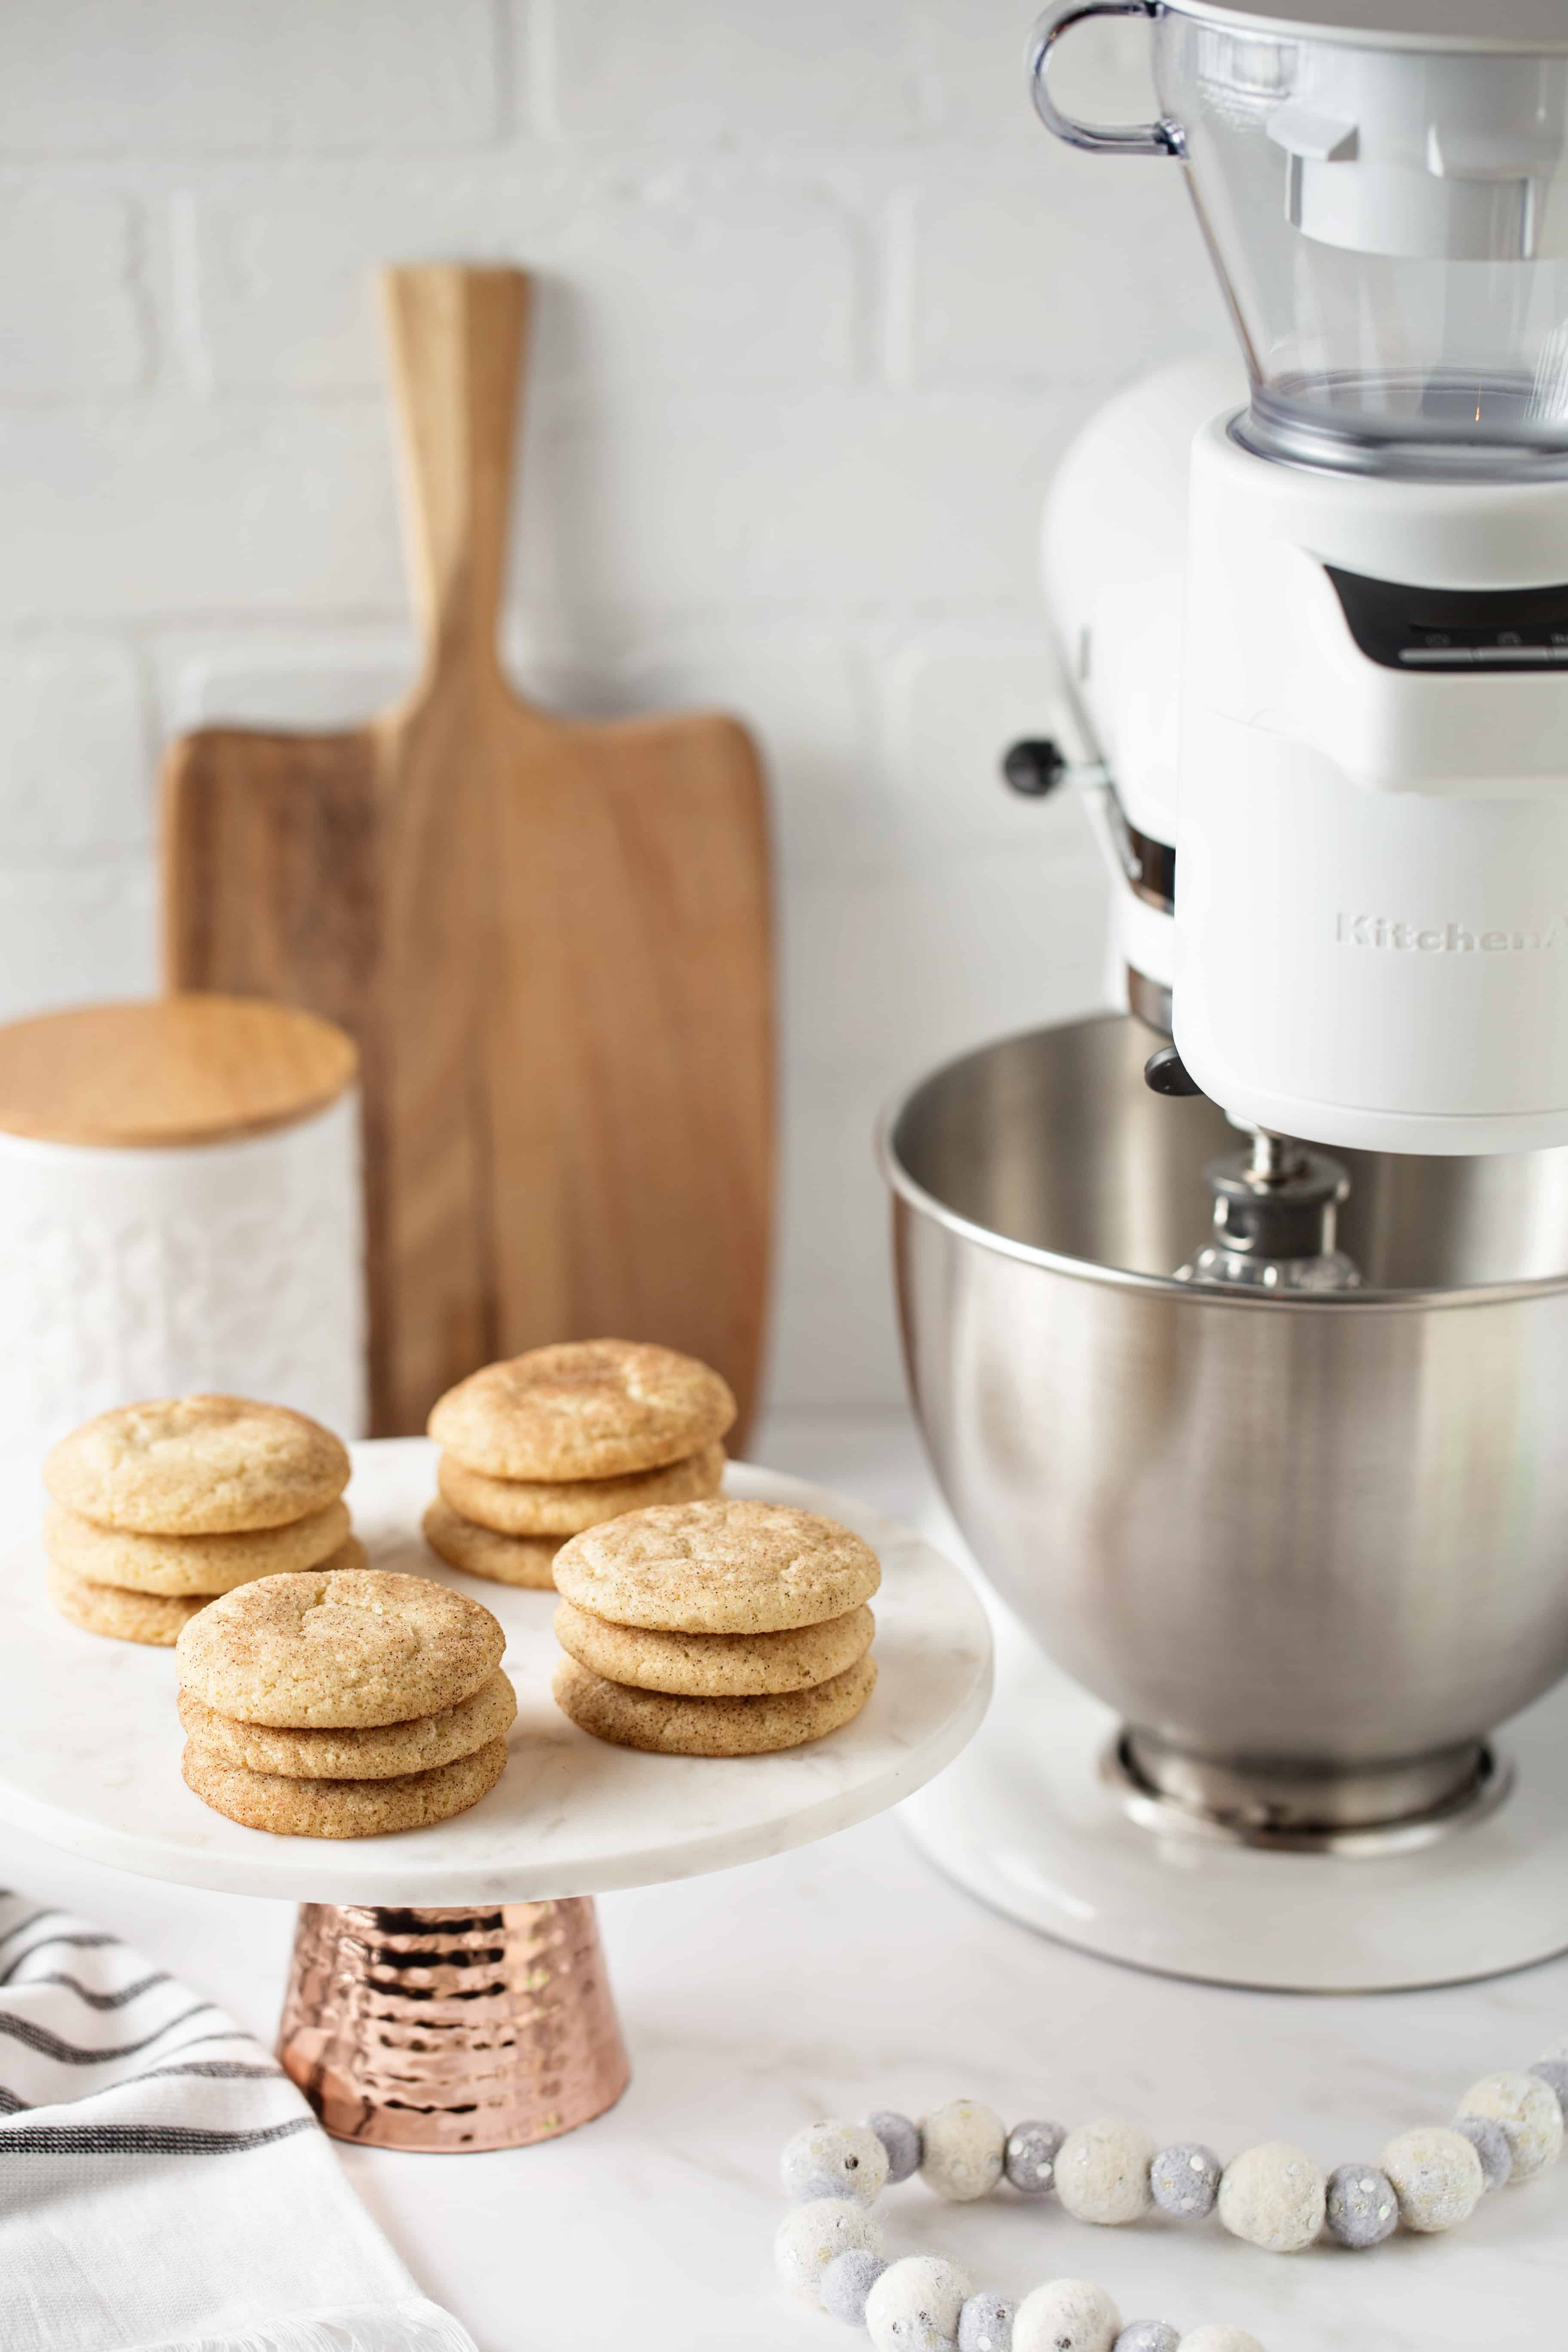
447,1990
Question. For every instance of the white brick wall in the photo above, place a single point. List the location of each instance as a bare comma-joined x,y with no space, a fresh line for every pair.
818,310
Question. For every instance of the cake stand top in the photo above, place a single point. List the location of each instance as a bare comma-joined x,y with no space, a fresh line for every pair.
90,1740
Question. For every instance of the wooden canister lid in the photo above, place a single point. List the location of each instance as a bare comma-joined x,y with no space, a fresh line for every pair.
178,1070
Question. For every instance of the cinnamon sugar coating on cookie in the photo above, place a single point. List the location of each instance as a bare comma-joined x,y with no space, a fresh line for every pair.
341,1809
197,1465
320,1651
586,1409
564,1507
376,1752
714,1665
665,1726
185,1564
721,1567
526,1561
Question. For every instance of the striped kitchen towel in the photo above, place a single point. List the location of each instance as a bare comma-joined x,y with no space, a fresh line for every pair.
164,2187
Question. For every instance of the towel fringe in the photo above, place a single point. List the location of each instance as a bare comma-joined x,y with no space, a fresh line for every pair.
417,2326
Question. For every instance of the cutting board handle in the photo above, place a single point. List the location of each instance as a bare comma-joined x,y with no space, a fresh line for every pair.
456,338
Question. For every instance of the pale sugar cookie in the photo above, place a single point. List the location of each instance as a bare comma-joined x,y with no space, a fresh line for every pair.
182,1564
323,1651
197,1465
341,1809
564,1507
588,1409
479,1552
154,1618
709,1727
718,1568
379,1753
714,1665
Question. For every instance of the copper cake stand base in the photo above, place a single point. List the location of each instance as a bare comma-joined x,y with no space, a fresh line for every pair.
452,2030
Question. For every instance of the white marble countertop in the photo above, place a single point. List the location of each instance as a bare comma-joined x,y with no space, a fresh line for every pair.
847,1974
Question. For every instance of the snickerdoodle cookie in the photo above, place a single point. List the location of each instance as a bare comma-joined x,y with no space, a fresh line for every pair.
719,1567
155,1618
709,1727
586,1409
322,1652
197,1465
564,1507
340,1808
715,1665
479,1552
191,1564
376,1753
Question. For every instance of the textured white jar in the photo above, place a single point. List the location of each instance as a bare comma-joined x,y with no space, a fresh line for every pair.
235,1264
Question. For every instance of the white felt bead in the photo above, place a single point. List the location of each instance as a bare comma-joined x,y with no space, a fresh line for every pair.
1066,2315
1529,2112
962,2146
1437,2178
1102,2172
835,2159
810,2236
915,2303
1273,2196
1220,2339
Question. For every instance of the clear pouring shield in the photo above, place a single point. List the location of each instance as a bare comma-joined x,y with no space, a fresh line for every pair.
1386,204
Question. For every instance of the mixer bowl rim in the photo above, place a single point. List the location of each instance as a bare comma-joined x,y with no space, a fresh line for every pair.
1082,1269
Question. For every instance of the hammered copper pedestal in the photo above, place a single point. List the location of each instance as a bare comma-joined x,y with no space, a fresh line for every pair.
454,2030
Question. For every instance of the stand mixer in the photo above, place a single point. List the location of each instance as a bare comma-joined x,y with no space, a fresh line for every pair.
1289,1505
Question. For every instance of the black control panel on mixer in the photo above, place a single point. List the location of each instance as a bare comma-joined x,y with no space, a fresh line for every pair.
1403,627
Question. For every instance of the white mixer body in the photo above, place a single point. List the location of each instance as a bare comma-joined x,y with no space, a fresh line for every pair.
1113,547
1371,835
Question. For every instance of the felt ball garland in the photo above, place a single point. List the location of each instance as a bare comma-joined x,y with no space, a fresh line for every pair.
829,2248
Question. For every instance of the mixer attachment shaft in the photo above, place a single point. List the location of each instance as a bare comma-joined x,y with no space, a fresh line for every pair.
1276,1205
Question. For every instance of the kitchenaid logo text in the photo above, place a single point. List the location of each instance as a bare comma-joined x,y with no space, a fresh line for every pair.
1440,938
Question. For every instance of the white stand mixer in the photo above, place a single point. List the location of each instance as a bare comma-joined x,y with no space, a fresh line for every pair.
1289,1505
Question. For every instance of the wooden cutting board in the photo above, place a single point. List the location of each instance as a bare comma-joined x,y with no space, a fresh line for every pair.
550,940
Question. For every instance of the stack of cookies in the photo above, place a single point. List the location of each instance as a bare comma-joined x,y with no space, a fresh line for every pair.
563,1438
344,1705
715,1628
157,1507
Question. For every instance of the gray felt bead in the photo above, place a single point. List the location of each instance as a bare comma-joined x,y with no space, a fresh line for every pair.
985,2323
1030,2159
1184,2181
1555,2072
902,2138
1147,2335
848,2280
1490,2144
1362,2209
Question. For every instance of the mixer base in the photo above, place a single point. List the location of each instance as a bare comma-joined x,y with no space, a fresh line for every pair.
1391,1811
1029,1820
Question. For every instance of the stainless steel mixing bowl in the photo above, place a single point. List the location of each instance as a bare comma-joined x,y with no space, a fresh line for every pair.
1312,1549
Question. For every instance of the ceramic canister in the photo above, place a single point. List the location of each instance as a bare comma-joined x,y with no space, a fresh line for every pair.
180,1209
